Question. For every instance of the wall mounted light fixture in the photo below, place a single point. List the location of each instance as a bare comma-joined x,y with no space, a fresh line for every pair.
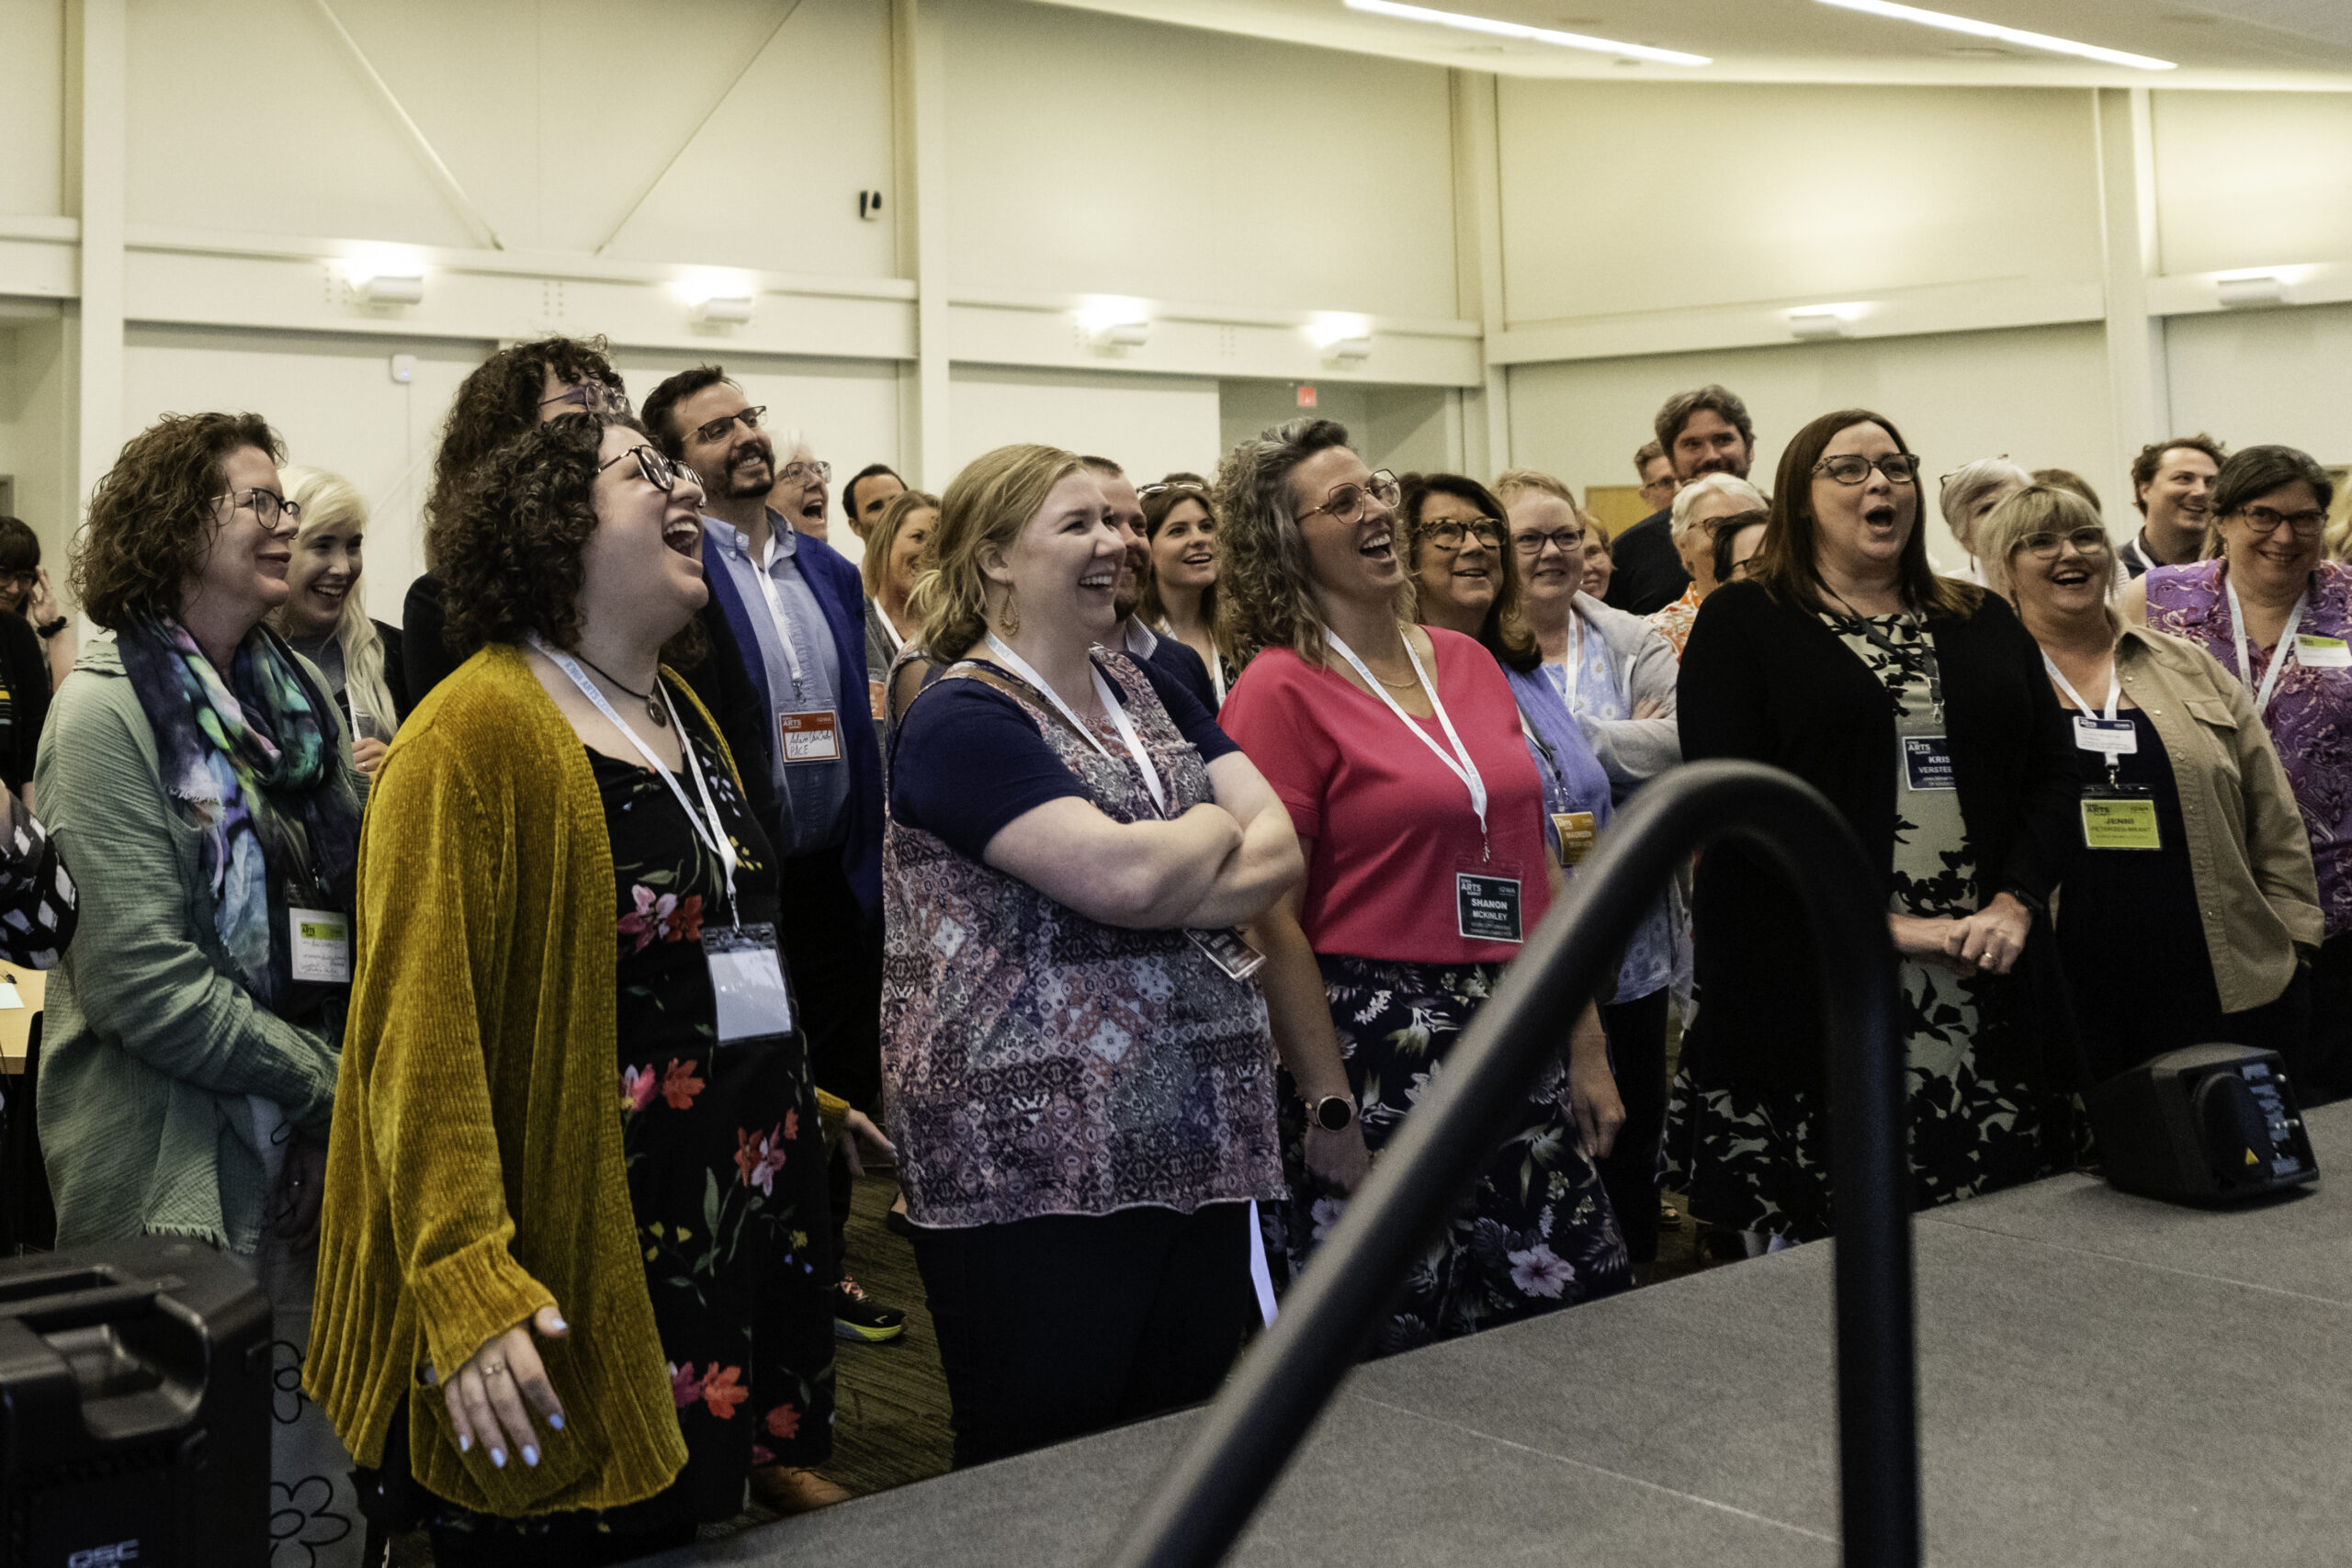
722,310
1817,323
2249,292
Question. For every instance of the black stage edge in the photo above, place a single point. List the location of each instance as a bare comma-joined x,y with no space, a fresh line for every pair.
2104,1381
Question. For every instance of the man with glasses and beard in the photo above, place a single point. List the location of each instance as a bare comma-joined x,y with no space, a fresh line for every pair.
1132,636
1702,432
798,610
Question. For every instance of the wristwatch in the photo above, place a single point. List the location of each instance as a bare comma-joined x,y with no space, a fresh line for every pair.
54,627
1333,1112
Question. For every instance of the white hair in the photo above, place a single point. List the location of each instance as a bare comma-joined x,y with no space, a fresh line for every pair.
1971,491
1687,499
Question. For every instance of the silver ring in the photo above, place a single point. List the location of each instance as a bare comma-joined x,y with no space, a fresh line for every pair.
491,1369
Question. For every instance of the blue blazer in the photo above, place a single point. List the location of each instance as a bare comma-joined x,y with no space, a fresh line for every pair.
842,592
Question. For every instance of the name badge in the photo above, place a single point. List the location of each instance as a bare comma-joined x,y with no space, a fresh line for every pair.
2322,652
320,940
1927,762
2108,737
1229,951
1576,831
747,982
2112,824
810,737
878,699
1486,907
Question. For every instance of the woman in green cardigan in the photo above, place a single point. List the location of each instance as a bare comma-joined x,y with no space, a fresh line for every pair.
198,780
575,1239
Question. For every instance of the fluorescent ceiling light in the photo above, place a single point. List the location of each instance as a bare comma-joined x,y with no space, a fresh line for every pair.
2019,36
1490,26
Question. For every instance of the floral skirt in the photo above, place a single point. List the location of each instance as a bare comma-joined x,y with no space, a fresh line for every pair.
1537,1234
1756,1156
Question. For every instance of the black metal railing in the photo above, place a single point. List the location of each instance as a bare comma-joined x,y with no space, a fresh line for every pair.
1283,1384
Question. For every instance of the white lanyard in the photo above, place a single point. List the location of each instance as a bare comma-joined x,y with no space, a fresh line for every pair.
1111,705
891,629
1459,764
713,833
776,608
2277,657
2114,688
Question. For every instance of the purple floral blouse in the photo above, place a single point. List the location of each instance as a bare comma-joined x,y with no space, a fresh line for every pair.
2310,716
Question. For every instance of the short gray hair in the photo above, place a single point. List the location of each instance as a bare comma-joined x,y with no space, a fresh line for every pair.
1687,499
1968,490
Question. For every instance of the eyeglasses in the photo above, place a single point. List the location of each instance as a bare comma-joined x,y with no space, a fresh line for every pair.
2306,525
1567,541
716,429
1345,505
1900,468
2087,541
1148,491
1666,482
656,470
596,397
1449,534
812,469
271,510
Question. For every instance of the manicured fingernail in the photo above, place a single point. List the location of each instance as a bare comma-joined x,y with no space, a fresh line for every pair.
530,1454
561,1327
556,1422
465,1444
498,1458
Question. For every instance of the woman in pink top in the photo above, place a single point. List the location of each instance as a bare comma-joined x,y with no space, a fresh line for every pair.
1397,750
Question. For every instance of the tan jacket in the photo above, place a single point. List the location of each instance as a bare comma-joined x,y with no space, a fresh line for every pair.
2247,854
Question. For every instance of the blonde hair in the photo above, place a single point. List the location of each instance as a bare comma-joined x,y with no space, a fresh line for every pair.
328,499
2042,509
982,512
884,533
1515,482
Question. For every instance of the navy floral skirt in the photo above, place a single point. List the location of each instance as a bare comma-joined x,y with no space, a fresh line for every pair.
1537,1234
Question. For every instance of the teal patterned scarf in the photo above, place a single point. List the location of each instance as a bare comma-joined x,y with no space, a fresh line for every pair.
254,764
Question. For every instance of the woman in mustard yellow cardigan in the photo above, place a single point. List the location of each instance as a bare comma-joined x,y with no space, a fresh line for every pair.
573,1276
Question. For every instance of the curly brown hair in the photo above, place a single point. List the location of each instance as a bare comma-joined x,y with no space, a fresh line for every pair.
510,546
499,402
150,517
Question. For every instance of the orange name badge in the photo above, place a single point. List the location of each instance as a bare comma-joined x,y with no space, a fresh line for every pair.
1576,830
810,737
878,699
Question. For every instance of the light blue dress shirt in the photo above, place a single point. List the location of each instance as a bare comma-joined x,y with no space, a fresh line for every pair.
813,796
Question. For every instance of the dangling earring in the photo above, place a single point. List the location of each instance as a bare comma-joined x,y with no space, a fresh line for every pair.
1011,614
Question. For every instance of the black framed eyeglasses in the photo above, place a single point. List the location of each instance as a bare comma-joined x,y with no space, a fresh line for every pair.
271,509
594,397
2087,540
2305,525
657,470
1900,468
1345,505
716,429
1450,534
1567,541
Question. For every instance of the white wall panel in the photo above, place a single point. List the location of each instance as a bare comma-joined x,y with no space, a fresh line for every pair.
2039,396
34,451
1090,153
2260,376
2253,179
1401,428
32,106
1621,197
1147,424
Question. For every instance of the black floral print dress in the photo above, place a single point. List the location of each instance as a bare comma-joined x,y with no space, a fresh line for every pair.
1756,1158
725,1160
1537,1234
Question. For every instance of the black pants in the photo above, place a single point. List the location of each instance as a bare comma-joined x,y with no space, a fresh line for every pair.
1636,1032
834,956
1053,1327
568,1542
2327,1071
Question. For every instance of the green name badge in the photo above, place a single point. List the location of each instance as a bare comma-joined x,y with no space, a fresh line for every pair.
2119,824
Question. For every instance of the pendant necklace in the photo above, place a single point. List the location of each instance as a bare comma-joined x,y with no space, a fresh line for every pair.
651,700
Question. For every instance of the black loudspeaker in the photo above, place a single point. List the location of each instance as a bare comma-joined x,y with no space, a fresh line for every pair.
2206,1124
134,1409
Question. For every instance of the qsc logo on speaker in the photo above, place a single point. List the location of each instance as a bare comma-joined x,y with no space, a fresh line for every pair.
105,1556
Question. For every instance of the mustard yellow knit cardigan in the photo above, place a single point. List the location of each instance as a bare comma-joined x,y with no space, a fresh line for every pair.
474,1170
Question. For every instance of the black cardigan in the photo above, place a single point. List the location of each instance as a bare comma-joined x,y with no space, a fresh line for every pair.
1767,680
24,698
